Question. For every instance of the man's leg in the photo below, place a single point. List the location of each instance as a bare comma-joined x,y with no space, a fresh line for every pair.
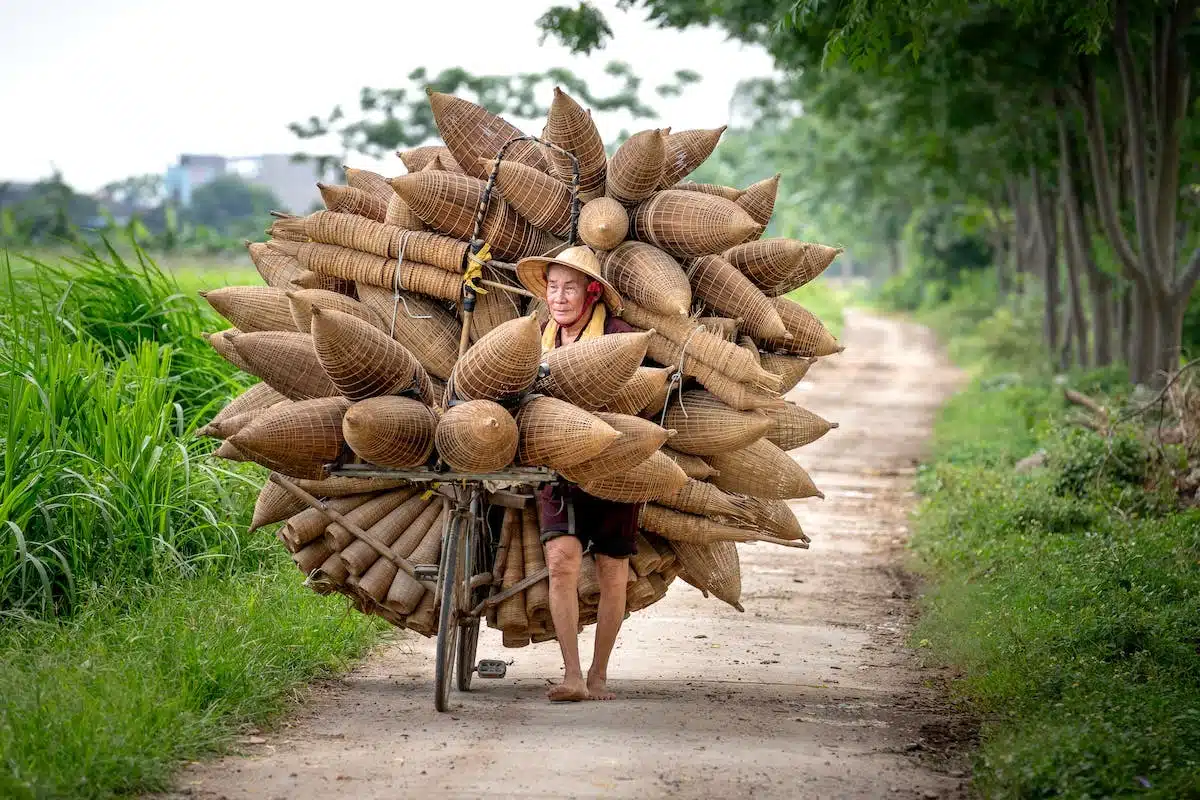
613,574
563,557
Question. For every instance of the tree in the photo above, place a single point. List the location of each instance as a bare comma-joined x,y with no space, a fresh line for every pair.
231,206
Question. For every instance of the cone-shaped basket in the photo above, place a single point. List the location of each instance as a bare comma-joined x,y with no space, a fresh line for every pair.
354,265
422,325
543,200
653,478
762,470
303,300
698,497
647,387
252,308
378,238
603,223
791,369
502,364
277,269
493,309
776,518
511,617
418,158
704,425
394,432
477,436
297,439
348,200
274,504
556,434
682,527
809,336
400,214
726,290
793,426
640,439
714,568
687,150
370,182
689,224
740,396
286,361
728,192
363,361
649,277
222,342
590,373
572,129
758,199
636,169
777,266
692,466
471,132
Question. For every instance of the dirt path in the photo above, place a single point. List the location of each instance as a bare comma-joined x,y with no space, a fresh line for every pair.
810,693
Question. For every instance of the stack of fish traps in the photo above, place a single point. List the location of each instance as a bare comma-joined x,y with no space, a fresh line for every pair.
356,339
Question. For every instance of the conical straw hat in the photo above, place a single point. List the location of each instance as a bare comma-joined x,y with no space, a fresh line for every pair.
303,300
758,199
790,369
348,200
590,373
422,325
809,336
310,523
762,470
286,361
252,308
648,385
649,277
472,132
688,224
556,434
636,169
502,364
297,439
544,200
793,426
394,432
572,129
363,361
640,439
274,504
531,272
723,288
687,150
728,192
653,478
692,466
477,436
713,567
704,425
603,223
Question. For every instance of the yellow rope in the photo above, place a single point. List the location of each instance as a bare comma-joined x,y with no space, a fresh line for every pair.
474,271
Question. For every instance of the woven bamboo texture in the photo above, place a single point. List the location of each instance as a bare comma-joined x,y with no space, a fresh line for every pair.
284,228
758,199
449,203
809,336
728,192
693,466
379,238
477,436
543,200
572,129
511,616
422,325
296,439
494,308
713,567
227,427
679,526
537,596
776,518
395,432
636,169
649,277
687,150
423,620
722,327
639,594
252,308
640,439
401,215
401,530
748,344
704,425
706,500
793,426
603,223
310,524
338,486
311,556
418,158
777,266
502,364
734,394
688,224
647,386
472,132
590,373
556,434
287,362
372,183
348,200
646,560
366,516
303,300
355,265
230,452
277,269
790,369
726,290
653,478
363,361
762,470
222,342
588,587
274,504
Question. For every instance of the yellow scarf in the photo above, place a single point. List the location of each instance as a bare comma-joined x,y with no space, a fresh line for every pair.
594,329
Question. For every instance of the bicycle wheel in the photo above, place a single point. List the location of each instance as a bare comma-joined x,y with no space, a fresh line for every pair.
468,633
448,615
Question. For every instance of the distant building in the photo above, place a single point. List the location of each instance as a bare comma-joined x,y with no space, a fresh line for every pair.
293,182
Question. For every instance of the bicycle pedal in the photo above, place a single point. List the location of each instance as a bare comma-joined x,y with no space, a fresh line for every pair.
491,668
426,572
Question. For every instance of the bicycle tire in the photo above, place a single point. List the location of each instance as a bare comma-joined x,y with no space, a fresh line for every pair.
447,617
468,634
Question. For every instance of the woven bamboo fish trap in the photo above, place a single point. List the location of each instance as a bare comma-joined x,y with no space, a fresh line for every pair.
750,346
543,200
639,594
372,183
282,228
448,203
309,524
366,516
603,223
712,567
777,266
646,560
537,596
493,309
230,452
303,300
687,150
704,425
311,556
274,504
286,361
791,369
556,434
740,396
355,265
400,214
401,530
809,336
649,277
260,395
384,583
339,486
655,477
682,527
394,432
693,466
252,308
227,427
504,363
728,192
722,327
689,224
636,169
511,617
422,325
647,386
423,619
572,129
706,500
758,199
590,373
363,361
222,342
762,470
477,436
277,269
640,439
723,288
793,426
776,518
378,238
589,581
297,439
348,200
471,132
418,158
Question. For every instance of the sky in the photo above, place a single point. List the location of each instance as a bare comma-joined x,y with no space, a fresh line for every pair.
104,89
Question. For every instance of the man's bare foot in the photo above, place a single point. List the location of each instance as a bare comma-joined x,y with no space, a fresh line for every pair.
568,692
597,687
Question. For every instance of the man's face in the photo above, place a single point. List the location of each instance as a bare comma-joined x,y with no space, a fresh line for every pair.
566,291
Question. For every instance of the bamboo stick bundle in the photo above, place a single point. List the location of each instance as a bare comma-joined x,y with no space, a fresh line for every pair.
355,265
377,238
401,531
309,524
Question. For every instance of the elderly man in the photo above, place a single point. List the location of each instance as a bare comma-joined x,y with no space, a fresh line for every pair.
577,296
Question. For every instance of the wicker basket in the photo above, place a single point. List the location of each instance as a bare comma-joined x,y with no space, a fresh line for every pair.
400,214
572,129
687,150
649,277
227,427
339,486
418,158
502,364
354,265
640,439
591,373
740,396
277,269
393,432
477,436
646,560
603,223
471,132
252,308
809,336
222,342
636,169
309,524
655,477
723,288
348,200
682,527
689,224
363,361
750,346
377,238
758,199
370,182
286,361
776,518
422,325
714,568
762,470
777,266
722,327
543,200
274,504
790,369
296,439
705,426
728,192
556,434
303,300
706,500
694,467
793,426
646,392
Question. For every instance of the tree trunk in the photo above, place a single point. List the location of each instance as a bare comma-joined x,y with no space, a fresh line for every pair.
1143,358
1170,333
1072,246
1100,290
1047,225
895,261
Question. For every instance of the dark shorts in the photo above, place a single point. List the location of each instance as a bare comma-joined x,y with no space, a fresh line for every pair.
608,528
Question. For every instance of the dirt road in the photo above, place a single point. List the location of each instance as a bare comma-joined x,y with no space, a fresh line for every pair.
810,693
